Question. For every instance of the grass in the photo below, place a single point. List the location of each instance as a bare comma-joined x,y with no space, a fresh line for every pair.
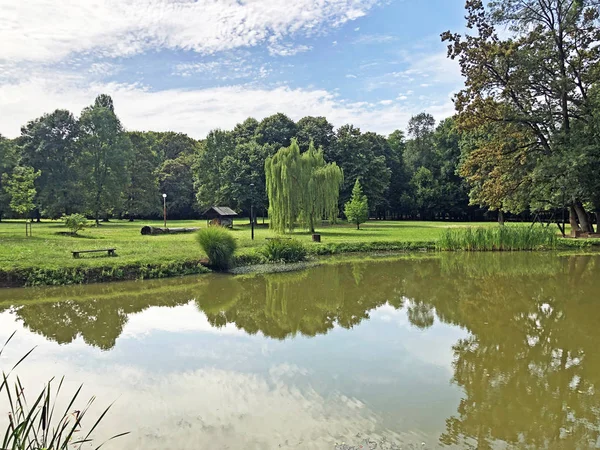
507,238
46,257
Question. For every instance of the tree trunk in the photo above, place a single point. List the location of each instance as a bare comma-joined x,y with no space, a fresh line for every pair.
501,217
357,226
583,217
573,220
597,221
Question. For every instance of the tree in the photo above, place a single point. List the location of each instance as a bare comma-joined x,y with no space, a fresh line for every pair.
20,186
398,192
209,179
316,130
357,209
420,149
171,145
176,179
362,156
277,130
49,144
301,186
141,196
8,160
245,132
533,94
105,152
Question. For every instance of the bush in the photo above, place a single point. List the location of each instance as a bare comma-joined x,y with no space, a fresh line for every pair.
219,245
504,238
75,222
280,250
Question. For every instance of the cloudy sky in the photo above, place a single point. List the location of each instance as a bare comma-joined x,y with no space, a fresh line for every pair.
195,65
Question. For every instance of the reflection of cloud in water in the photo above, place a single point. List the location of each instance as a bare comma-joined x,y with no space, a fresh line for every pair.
179,319
225,409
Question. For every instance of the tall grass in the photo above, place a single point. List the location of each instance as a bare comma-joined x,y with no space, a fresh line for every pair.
219,245
38,425
499,238
286,251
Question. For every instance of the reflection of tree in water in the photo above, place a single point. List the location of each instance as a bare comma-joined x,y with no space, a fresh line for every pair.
308,302
530,369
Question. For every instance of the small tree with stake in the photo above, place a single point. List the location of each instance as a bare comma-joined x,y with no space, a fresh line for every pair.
357,209
21,188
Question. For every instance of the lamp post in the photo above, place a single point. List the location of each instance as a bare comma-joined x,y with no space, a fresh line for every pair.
252,209
165,208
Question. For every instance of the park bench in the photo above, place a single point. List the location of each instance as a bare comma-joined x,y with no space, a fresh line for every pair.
111,252
278,239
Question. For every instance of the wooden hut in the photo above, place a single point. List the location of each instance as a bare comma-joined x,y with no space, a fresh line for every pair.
220,215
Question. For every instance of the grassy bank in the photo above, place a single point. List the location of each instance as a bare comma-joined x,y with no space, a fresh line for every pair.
46,257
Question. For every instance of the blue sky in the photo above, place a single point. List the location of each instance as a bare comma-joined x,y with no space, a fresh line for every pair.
192,66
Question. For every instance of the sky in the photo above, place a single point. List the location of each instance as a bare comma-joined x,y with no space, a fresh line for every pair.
194,65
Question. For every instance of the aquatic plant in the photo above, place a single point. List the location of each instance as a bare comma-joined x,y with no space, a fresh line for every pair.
219,245
501,238
284,250
38,425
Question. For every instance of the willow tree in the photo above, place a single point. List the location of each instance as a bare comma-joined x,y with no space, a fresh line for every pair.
301,187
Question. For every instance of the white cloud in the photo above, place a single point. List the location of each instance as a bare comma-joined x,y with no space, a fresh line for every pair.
386,102
287,49
197,111
50,30
375,39
350,76
222,69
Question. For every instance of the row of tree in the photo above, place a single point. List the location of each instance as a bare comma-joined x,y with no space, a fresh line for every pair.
91,165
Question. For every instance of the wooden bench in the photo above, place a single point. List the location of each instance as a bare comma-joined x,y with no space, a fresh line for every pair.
111,252
278,239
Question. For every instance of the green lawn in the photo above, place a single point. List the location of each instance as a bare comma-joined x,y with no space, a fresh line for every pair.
48,248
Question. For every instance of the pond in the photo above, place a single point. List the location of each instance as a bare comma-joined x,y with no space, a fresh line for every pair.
445,351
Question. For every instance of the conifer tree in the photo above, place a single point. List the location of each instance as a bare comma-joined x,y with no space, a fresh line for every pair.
357,209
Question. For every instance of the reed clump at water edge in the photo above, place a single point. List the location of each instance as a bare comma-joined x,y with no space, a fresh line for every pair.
501,238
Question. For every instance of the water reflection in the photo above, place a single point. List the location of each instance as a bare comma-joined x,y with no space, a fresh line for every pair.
528,367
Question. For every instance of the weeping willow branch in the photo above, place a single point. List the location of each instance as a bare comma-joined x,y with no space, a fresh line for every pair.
301,187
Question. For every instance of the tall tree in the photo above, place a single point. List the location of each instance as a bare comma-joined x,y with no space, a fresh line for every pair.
301,186
398,193
316,130
171,145
8,160
105,152
362,156
420,150
141,195
277,130
533,87
49,144
175,177
209,180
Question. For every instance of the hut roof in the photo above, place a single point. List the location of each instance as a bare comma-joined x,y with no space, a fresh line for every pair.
223,211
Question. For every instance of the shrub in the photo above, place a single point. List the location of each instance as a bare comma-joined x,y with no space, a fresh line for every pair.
280,250
504,238
219,245
75,222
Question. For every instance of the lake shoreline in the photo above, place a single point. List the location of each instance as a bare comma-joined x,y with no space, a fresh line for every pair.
246,263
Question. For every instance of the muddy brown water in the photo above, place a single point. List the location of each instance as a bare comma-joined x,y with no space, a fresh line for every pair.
453,351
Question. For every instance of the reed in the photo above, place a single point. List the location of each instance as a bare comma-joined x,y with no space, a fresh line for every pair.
219,245
39,425
499,238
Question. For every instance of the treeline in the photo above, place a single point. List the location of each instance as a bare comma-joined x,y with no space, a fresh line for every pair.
91,165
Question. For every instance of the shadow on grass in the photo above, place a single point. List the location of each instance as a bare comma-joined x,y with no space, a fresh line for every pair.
76,236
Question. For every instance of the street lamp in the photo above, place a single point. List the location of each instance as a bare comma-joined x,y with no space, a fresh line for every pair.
252,209
165,208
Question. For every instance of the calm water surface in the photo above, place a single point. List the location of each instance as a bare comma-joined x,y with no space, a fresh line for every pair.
458,351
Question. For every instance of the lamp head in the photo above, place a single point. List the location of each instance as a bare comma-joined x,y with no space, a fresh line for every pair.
164,195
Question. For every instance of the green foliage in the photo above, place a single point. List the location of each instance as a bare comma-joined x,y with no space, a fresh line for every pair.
301,186
500,238
20,186
105,152
284,250
75,222
141,197
357,209
219,245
